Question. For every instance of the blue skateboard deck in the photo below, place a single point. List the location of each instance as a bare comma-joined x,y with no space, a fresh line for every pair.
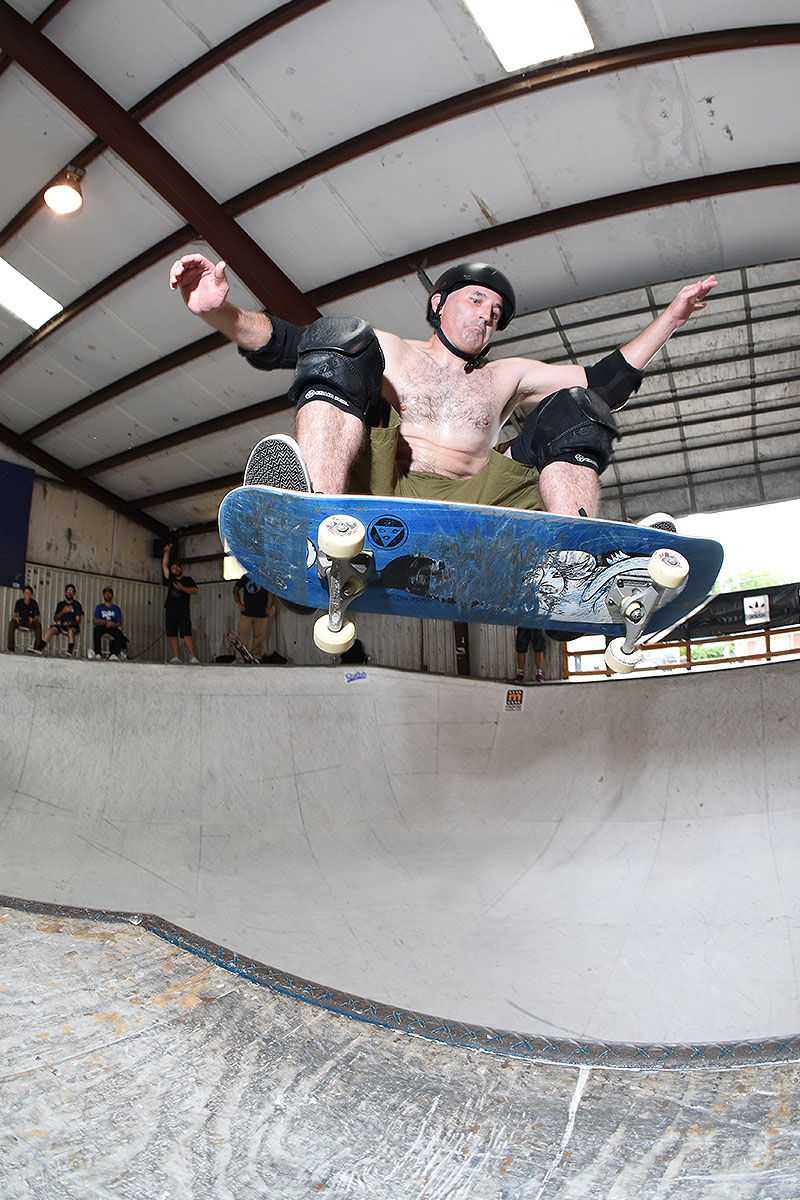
461,562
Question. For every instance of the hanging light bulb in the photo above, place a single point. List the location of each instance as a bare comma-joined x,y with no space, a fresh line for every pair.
64,194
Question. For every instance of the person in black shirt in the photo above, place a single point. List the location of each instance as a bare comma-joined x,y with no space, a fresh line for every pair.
25,616
255,610
177,615
66,619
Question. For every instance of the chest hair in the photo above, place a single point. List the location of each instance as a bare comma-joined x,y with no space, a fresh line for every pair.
429,395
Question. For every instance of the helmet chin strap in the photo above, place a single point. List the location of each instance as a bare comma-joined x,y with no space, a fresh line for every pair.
472,362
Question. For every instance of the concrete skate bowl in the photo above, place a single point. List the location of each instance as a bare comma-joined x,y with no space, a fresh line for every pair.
611,871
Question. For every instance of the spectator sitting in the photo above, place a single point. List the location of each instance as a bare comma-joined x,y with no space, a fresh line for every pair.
108,622
66,619
25,616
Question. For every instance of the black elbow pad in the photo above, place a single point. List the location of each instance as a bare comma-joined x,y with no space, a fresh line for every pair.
613,379
281,349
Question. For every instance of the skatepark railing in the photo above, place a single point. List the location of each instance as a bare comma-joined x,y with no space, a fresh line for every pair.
584,657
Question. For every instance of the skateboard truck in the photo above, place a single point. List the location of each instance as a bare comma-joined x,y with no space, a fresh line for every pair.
634,598
344,565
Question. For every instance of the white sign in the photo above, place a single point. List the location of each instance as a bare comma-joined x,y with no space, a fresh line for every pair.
756,610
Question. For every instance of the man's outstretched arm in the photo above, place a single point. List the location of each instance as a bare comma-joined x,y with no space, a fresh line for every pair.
689,299
540,379
204,287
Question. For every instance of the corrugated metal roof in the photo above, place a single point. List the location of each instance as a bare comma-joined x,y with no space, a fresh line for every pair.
336,153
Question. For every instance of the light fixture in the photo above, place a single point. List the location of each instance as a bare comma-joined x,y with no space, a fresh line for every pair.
20,296
64,195
525,32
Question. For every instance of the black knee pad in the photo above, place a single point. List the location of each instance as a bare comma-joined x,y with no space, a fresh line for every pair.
340,361
574,425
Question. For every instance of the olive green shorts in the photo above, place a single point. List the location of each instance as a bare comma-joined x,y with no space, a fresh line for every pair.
502,481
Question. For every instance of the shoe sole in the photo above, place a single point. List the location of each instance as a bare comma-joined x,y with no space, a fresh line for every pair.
277,462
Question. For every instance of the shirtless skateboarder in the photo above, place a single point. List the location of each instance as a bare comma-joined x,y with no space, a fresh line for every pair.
396,416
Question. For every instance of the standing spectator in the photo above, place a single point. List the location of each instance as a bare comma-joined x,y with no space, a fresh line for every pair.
66,619
177,613
524,639
108,620
25,616
256,609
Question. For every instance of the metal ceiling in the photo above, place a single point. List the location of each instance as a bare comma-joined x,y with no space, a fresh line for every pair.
338,152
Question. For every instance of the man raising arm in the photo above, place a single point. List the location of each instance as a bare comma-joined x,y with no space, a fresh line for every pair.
421,417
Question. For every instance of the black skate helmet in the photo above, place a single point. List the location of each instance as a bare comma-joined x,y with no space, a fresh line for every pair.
479,273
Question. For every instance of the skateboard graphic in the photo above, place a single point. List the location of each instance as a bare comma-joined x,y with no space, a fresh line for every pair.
240,649
465,562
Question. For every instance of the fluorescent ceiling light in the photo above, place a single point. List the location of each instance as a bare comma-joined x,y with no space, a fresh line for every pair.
525,32
24,299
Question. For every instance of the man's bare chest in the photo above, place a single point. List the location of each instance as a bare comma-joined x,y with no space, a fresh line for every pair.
428,395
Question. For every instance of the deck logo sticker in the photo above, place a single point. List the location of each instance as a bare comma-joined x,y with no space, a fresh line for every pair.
387,532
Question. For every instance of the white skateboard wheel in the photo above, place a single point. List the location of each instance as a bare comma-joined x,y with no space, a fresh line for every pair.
619,660
333,641
341,536
668,569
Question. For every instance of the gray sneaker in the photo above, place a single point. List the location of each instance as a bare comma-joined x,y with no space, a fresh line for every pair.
277,462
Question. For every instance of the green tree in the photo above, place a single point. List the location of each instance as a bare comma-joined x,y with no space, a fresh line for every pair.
753,577
712,650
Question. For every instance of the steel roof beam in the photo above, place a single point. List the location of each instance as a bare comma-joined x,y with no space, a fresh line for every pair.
201,488
251,412
55,467
65,80
168,362
634,489
522,83
586,212
217,56
681,191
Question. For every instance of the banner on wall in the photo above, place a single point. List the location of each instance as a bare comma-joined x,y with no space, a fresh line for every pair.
16,489
738,612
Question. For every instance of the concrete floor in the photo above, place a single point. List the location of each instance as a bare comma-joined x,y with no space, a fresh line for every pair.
615,863
134,1069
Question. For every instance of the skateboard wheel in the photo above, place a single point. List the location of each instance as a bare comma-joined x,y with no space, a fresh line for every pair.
668,569
619,660
333,641
341,536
